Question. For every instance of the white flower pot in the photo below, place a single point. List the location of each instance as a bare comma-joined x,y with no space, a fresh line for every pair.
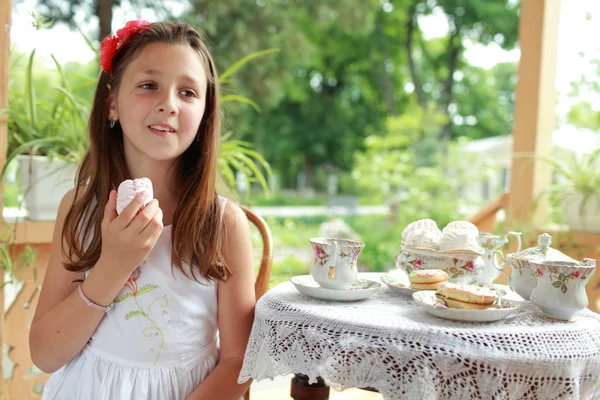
43,184
586,221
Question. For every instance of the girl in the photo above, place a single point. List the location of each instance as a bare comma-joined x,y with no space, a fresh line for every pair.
157,303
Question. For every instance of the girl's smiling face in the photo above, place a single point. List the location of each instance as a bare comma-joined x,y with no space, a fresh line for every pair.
160,102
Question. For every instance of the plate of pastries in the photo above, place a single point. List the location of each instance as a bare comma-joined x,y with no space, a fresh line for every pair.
461,302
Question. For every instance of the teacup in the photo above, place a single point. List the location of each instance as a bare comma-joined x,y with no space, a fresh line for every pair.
560,288
335,265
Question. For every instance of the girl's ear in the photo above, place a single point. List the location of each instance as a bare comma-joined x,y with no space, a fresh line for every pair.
113,114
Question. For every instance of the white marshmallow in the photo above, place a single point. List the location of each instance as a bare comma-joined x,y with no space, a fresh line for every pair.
423,239
128,189
421,225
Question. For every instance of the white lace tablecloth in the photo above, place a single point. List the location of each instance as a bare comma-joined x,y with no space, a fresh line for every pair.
389,343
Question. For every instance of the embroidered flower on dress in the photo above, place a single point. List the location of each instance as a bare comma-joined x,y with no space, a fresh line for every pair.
153,330
132,281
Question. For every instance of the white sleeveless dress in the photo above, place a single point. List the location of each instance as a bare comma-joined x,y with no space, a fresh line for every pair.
160,341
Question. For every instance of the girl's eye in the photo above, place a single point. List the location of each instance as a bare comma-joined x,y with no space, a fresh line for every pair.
148,86
188,93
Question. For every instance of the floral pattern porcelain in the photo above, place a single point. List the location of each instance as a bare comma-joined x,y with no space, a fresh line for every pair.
490,242
522,279
427,300
359,290
560,288
398,282
462,266
335,264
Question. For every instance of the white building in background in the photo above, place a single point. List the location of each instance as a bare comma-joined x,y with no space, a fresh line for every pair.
497,151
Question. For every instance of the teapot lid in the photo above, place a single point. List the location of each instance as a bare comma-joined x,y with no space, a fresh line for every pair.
543,252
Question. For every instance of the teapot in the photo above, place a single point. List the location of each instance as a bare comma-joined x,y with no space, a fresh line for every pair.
490,242
560,287
522,279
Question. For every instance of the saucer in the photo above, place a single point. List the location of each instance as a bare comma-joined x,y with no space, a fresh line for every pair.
359,290
398,284
426,300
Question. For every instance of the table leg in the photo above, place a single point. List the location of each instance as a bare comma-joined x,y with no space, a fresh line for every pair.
302,390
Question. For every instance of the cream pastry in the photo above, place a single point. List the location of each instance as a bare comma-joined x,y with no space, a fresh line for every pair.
428,279
468,297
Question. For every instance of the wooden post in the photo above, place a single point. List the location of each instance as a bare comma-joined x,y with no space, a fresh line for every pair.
534,108
5,16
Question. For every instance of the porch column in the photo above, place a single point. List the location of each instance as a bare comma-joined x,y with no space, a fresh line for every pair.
5,15
534,109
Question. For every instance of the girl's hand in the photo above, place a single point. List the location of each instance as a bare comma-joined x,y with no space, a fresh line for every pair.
128,238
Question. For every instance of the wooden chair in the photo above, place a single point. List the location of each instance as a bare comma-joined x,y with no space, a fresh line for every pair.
264,273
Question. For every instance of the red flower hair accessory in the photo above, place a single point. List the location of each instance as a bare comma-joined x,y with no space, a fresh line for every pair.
111,44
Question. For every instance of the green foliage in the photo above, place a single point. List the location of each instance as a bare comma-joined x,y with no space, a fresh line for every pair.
287,268
343,68
486,21
280,199
434,63
584,115
237,155
54,126
11,265
382,237
485,101
294,232
573,173
420,177
69,11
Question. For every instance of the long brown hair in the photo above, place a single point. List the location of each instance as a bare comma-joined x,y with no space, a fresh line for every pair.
196,231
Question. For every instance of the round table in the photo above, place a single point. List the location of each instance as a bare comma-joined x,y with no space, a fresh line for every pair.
389,343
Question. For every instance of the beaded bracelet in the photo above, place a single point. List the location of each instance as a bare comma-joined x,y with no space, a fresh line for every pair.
91,303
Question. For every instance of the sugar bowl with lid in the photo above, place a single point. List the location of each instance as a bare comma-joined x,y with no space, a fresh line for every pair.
560,288
522,279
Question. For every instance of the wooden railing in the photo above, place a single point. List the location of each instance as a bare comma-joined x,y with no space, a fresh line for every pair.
24,381
485,219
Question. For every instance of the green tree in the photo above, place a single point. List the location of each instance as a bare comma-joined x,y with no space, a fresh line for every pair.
583,113
433,63
484,101
318,95
65,11
331,102
423,184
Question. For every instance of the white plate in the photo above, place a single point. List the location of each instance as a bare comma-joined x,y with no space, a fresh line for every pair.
398,284
357,291
426,300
